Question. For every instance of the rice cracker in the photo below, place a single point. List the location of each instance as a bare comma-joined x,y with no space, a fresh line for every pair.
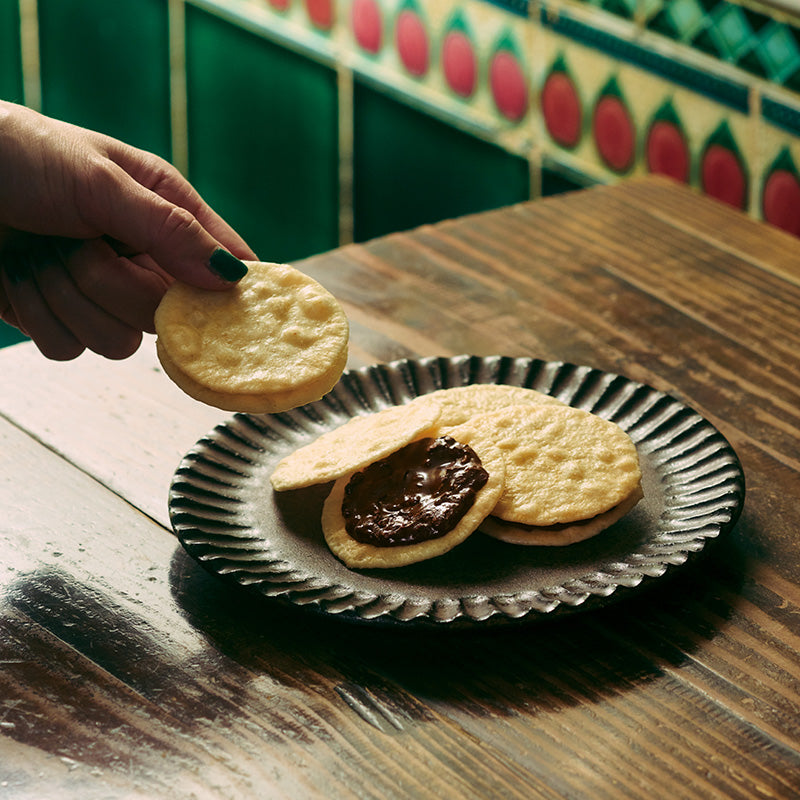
354,445
563,464
559,535
274,341
363,555
460,403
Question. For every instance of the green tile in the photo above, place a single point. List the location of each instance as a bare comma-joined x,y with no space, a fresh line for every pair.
778,50
410,169
10,56
792,82
263,138
649,8
10,335
106,66
732,32
685,18
556,181
622,8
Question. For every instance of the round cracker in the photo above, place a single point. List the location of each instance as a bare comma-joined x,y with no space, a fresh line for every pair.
558,535
273,402
274,340
563,464
352,446
460,403
359,555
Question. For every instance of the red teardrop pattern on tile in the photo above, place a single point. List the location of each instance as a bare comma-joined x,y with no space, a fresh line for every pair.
614,133
365,17
722,176
459,63
781,201
320,12
508,85
412,42
561,109
667,151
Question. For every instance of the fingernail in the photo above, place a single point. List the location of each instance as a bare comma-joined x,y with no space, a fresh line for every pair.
227,266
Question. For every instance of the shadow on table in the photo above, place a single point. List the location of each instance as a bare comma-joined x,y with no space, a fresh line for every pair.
570,660
244,656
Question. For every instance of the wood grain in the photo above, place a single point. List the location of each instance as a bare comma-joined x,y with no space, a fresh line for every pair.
127,671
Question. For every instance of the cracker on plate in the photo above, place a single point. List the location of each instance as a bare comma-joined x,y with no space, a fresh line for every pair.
460,403
274,341
562,534
363,555
354,445
563,464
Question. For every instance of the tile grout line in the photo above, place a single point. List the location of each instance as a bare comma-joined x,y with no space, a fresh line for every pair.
29,45
179,125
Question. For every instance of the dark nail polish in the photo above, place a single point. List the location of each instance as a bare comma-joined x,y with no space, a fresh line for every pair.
227,266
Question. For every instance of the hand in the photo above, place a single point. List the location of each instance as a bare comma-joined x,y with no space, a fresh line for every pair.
92,232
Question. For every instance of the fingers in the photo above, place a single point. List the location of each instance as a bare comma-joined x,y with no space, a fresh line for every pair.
165,180
87,298
128,288
62,180
6,311
95,327
32,312
119,206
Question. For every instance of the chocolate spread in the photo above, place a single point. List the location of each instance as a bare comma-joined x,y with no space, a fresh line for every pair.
418,493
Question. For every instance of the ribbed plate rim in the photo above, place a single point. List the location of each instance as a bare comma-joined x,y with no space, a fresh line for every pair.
205,502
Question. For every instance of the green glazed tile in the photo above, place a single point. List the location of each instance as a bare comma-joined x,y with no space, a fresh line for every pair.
621,8
263,142
792,82
731,32
779,51
649,8
686,17
410,169
106,66
10,55
556,181
10,335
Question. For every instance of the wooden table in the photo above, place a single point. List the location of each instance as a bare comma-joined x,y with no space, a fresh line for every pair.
126,670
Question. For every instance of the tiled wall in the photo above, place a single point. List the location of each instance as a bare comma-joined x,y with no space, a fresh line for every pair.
308,123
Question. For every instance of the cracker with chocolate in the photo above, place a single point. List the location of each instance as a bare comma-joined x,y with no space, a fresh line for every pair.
414,481
416,504
354,445
274,341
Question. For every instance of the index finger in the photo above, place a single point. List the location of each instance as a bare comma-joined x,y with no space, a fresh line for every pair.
116,205
164,179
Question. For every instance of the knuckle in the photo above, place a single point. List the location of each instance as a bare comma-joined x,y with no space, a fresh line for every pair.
177,223
90,274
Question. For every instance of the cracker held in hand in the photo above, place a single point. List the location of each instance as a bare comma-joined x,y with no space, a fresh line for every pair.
563,464
354,445
274,341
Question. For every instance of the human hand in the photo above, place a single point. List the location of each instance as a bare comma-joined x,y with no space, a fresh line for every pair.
92,232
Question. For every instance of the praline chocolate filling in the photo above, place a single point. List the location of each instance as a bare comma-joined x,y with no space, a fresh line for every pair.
418,493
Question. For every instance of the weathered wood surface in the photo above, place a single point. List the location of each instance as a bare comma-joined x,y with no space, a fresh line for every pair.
127,671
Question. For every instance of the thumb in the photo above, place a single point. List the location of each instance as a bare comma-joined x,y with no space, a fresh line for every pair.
171,235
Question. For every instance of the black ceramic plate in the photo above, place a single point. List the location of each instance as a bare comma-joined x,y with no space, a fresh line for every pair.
226,515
